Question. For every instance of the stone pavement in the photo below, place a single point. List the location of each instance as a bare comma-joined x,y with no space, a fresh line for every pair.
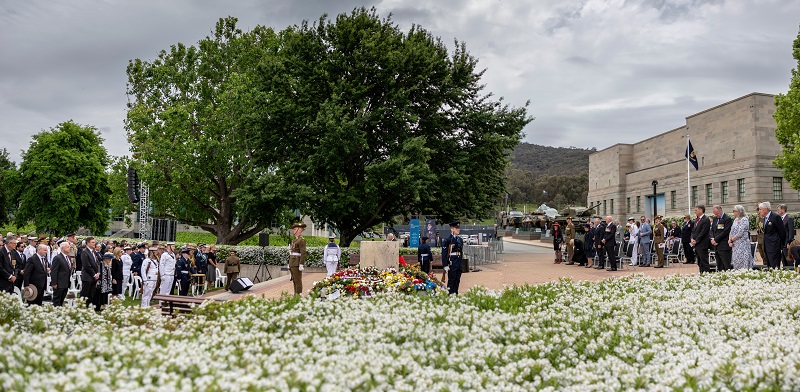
523,262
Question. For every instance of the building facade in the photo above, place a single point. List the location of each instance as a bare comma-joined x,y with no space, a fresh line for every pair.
735,144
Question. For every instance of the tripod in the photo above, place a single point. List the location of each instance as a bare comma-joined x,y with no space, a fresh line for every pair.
262,268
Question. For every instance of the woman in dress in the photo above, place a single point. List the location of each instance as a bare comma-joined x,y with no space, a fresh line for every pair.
104,284
633,241
558,238
211,271
116,272
739,240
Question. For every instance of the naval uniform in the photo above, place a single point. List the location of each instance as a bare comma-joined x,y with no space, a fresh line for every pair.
452,258
149,278
166,267
184,271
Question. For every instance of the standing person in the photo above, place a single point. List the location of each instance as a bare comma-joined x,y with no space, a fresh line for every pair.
633,241
588,244
201,262
36,272
760,237
452,257
297,256
18,260
686,239
331,254
149,276
599,232
61,273
73,250
609,243
673,235
116,272
9,274
558,238
137,258
569,240
231,268
126,269
105,285
211,275
166,267
184,271
425,256
788,224
645,239
739,241
701,238
30,249
90,271
658,241
720,236
774,234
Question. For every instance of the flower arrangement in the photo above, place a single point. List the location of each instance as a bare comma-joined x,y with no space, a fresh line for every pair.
367,281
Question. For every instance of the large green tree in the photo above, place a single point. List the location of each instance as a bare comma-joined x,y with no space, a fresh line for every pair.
191,123
65,181
787,116
8,187
373,123
118,183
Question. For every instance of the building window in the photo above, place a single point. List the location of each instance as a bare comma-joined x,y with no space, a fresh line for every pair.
638,203
612,206
709,195
740,190
724,186
694,196
673,200
734,154
777,188
629,204
605,211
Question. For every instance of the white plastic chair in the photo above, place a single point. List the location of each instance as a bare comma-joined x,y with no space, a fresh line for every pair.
221,279
128,287
137,282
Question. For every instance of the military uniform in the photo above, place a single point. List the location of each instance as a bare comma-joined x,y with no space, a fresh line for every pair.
569,237
149,279
231,268
658,239
184,272
452,257
297,259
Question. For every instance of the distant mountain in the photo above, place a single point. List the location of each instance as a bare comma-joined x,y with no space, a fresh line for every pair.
551,160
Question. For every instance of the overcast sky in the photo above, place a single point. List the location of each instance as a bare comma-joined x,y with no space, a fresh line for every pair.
597,72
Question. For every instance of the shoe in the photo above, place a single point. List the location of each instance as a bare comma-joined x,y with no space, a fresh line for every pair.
612,269
570,263
588,266
659,266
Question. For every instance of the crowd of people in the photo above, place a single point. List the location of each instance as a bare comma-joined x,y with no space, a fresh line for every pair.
105,268
725,237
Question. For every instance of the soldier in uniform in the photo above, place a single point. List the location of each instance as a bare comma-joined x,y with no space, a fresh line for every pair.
184,271
658,241
569,238
149,276
231,268
297,256
760,239
166,268
424,256
452,257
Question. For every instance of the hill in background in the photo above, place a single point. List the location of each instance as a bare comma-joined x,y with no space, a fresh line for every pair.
551,160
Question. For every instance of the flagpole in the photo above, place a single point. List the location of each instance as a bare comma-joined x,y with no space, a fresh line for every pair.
688,176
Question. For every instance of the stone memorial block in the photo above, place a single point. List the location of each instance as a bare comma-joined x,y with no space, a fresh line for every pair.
381,254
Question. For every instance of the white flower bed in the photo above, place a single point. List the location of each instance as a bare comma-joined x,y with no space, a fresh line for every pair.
727,331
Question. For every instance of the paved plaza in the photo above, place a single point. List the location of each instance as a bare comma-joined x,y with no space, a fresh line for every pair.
522,262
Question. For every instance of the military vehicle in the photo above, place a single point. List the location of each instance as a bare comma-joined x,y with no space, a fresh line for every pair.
580,216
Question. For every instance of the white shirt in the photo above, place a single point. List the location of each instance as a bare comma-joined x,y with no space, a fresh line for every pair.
150,274
331,253
29,251
167,264
126,264
634,234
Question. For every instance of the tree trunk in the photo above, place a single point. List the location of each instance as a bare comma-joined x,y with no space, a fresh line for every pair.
346,237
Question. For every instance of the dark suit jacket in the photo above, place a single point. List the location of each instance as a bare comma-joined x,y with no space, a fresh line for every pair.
599,232
60,272
701,234
788,223
609,234
424,249
6,271
774,233
35,272
89,266
686,231
721,235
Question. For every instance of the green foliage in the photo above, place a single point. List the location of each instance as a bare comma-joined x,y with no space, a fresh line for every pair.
65,181
787,117
8,172
191,121
556,176
274,240
553,161
118,183
370,123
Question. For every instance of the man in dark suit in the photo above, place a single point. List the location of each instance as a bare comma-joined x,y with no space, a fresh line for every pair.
788,223
90,271
18,262
721,231
774,234
60,274
686,239
599,233
36,272
701,238
609,243
8,275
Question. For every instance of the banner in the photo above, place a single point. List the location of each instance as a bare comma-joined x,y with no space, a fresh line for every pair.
413,234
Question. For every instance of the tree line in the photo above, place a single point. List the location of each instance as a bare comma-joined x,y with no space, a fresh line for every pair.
556,176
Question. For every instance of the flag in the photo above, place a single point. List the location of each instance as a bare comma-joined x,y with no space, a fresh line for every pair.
691,155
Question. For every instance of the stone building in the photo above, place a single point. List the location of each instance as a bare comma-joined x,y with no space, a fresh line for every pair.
735,144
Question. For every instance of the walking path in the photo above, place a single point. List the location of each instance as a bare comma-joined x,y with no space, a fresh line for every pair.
523,262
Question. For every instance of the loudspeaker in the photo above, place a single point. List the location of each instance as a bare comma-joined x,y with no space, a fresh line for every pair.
263,239
163,230
240,284
133,185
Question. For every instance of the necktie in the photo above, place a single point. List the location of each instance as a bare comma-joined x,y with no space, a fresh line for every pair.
43,264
